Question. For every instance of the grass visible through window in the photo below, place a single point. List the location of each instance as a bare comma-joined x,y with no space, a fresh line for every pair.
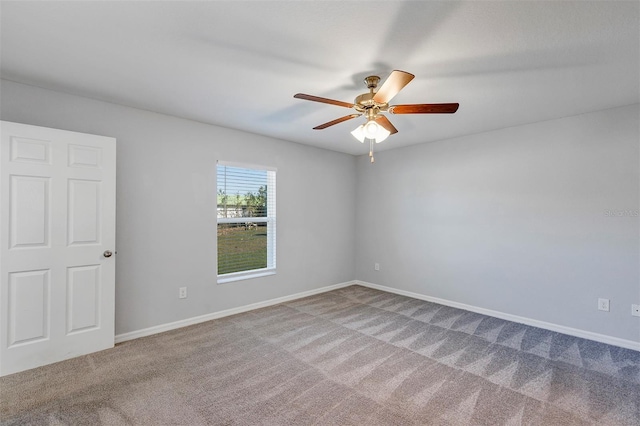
241,248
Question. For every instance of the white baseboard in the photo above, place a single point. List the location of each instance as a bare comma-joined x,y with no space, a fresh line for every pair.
220,314
615,341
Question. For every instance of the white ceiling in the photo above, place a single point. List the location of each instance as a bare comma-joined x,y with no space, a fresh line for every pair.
238,64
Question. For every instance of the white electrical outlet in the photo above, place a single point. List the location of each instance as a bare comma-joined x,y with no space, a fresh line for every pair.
376,266
635,310
603,305
182,292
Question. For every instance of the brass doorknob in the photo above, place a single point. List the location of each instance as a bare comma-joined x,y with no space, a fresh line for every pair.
107,253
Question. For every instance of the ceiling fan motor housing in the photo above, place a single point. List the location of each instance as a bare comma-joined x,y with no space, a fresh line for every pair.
372,81
364,103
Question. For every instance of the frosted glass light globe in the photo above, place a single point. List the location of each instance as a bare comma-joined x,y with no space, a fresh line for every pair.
371,129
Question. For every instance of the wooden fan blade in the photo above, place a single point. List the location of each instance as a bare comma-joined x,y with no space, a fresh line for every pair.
323,100
424,109
392,85
384,122
336,121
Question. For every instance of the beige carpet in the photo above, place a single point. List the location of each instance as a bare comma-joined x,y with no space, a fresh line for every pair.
352,356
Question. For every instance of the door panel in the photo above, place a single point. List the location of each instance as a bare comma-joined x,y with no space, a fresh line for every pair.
83,298
57,217
85,156
28,306
84,212
29,217
30,150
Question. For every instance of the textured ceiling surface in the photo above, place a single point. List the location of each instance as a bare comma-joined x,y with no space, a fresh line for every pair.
238,64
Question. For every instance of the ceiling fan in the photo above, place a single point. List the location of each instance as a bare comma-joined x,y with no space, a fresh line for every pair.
371,105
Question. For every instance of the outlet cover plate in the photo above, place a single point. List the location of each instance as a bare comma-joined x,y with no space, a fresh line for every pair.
603,305
635,310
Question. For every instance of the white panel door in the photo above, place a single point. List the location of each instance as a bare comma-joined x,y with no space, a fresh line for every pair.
57,229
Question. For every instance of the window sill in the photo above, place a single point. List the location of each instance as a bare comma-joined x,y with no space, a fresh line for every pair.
239,276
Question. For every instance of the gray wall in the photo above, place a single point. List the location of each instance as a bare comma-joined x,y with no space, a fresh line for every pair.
166,206
513,220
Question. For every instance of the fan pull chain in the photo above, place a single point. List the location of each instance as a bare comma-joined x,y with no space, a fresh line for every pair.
373,160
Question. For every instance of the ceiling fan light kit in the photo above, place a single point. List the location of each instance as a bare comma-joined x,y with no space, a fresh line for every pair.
373,104
370,130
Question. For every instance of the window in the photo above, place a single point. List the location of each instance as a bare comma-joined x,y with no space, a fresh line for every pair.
246,202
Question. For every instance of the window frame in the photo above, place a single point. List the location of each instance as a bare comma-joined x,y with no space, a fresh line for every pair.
270,221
